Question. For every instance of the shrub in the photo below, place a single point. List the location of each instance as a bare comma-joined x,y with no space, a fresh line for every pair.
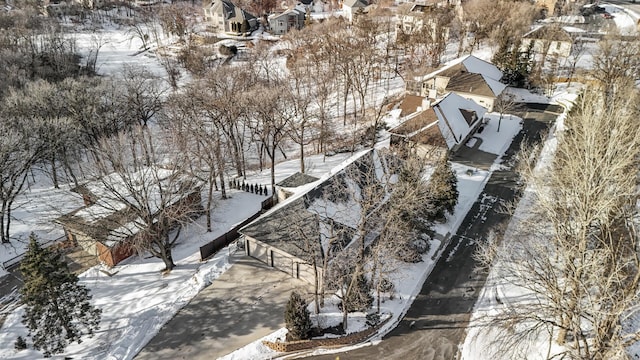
297,318
228,50
20,343
359,298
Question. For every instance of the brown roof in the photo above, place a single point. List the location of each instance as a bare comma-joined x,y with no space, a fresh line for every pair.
469,116
423,119
410,104
454,70
470,83
421,129
430,136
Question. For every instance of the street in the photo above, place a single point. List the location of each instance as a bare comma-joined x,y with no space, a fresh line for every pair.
435,325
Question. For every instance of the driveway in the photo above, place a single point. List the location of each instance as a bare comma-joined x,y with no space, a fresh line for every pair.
244,304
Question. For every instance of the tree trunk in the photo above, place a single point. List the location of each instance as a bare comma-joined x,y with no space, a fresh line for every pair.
54,173
167,257
4,238
209,202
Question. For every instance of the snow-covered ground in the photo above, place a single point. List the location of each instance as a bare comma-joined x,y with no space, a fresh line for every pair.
137,299
410,277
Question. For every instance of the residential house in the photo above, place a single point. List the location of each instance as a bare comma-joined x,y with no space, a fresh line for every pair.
549,40
439,129
351,8
310,225
413,17
106,226
468,76
294,18
227,17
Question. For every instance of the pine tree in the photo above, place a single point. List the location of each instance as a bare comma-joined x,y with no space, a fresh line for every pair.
58,311
443,190
297,318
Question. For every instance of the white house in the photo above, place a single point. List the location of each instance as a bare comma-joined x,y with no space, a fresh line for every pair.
280,24
468,76
350,8
227,17
549,40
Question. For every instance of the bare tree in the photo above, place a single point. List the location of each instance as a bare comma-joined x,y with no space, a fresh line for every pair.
504,104
271,116
151,200
142,94
17,154
576,255
615,64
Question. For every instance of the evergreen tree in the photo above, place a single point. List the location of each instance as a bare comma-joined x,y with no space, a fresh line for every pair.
297,318
443,190
58,311
515,63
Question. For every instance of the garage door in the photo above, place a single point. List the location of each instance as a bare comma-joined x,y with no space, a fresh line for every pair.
282,262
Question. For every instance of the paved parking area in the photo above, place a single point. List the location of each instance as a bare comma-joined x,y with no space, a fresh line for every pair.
244,304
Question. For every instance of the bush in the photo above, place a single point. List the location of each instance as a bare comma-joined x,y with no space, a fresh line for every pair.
228,50
20,343
297,319
386,285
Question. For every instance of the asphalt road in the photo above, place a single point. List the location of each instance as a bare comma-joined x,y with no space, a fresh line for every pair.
628,4
441,312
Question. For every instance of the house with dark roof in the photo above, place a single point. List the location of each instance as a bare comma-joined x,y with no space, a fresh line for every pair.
442,128
468,76
303,232
225,16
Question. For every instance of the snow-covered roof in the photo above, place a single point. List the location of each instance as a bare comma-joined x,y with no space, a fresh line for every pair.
355,3
457,117
550,32
470,64
110,217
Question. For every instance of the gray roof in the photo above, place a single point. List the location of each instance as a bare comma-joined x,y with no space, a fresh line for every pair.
297,179
301,224
356,3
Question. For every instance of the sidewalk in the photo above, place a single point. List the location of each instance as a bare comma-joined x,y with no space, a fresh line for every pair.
243,305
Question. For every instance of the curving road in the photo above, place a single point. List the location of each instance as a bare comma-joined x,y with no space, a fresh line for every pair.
435,325
627,4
